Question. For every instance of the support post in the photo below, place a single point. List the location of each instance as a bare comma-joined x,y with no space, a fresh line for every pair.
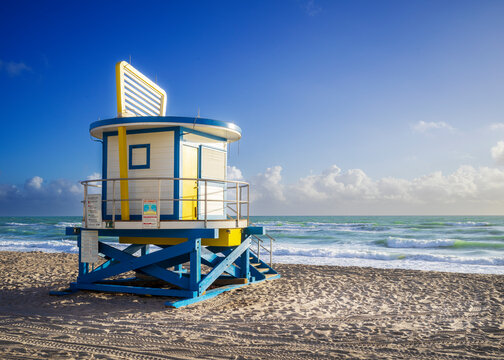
231,266
195,266
123,172
83,267
245,264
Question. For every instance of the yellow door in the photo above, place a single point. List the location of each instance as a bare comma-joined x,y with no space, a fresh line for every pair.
189,187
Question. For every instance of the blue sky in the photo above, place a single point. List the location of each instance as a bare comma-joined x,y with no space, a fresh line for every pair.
380,106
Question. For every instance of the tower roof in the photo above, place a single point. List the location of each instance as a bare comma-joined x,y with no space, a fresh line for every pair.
225,130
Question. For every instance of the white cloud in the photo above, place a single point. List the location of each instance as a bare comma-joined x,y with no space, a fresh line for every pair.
423,126
35,182
334,191
268,185
58,197
497,152
94,176
496,126
93,187
468,190
233,173
14,68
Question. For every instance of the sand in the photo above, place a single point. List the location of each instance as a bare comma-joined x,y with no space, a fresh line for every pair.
312,312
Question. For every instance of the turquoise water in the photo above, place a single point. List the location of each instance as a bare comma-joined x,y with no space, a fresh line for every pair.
473,244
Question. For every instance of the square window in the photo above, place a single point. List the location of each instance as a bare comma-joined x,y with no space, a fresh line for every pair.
139,156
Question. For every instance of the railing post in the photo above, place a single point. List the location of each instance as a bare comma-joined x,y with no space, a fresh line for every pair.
259,249
237,205
85,206
206,202
113,203
271,252
159,204
248,204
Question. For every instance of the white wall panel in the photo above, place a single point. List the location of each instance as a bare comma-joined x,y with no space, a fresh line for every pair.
161,165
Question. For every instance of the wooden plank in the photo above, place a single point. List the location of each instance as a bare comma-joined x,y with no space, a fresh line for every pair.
272,276
208,295
135,290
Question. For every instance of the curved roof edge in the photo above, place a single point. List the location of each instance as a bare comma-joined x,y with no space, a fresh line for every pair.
226,130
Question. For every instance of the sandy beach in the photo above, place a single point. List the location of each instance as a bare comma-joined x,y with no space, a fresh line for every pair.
311,312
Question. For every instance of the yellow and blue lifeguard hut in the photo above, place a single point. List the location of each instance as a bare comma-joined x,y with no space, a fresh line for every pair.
165,195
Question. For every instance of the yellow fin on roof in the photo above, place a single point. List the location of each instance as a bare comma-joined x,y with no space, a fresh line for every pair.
137,95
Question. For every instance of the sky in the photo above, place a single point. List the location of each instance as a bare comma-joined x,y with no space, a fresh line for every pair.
347,107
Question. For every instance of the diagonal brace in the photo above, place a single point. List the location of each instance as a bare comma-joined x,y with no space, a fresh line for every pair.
223,265
146,263
213,260
129,250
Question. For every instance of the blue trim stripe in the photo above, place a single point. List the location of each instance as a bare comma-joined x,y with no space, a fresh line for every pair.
142,131
202,134
104,175
146,165
166,119
177,191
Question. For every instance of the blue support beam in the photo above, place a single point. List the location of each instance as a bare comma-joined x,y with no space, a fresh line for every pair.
146,263
244,263
230,265
129,250
208,295
195,264
133,289
219,269
213,260
173,233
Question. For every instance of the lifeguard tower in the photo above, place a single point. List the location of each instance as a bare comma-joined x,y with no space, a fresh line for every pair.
183,227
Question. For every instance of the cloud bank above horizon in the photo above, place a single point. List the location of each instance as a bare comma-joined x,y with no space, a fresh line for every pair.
468,190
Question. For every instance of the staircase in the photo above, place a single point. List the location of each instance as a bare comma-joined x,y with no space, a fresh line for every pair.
259,269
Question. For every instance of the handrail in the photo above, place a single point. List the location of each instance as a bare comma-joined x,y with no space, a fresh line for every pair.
201,198
166,178
259,242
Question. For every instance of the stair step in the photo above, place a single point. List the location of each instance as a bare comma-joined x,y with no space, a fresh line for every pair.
255,264
270,275
263,270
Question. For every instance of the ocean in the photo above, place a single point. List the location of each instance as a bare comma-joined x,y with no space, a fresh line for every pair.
465,244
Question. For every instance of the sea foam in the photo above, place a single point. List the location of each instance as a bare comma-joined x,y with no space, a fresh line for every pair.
377,255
